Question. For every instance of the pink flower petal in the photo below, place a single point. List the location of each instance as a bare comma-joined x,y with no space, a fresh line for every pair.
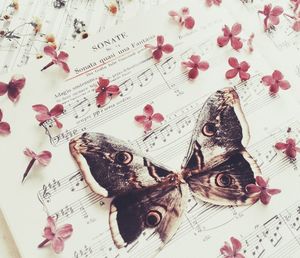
51,223
267,80
236,29
150,46
226,31
195,59
65,231
231,73
203,66
147,125
140,119
276,11
252,188
17,81
222,41
29,153
291,152
185,11
102,82
57,245
42,117
239,256
148,110
160,40
273,191
57,110
173,14
58,124
40,108
167,48
63,56
64,66
193,73
226,249
157,54
244,66
157,117
236,244
236,43
188,64
284,85
244,76
44,158
233,62
4,128
189,22
48,234
113,90
13,94
296,26
261,182
265,197
280,146
274,19
274,88
101,98
1,115
277,75
3,88
50,51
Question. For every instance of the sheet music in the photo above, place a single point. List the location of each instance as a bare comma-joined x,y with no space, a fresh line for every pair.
59,189
68,21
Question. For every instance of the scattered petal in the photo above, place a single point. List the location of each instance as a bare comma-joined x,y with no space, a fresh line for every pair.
238,68
195,64
231,35
59,59
105,90
275,81
183,18
44,114
232,252
271,15
289,147
4,126
13,88
149,116
157,52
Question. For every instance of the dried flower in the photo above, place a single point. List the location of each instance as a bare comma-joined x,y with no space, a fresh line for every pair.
262,189
238,68
289,147
250,42
275,81
112,8
148,117
183,18
15,4
232,252
56,235
296,18
37,25
13,88
59,59
195,65
215,2
231,35
43,159
271,15
160,48
4,127
105,90
45,115
296,4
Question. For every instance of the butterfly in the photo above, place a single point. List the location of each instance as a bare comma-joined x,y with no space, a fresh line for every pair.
13,88
148,195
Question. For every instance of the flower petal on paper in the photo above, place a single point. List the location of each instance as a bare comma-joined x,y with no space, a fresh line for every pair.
3,88
188,64
261,182
157,54
274,88
140,119
274,19
244,76
239,256
50,51
236,29
40,108
44,158
148,110
265,197
231,73
42,117
296,26
64,66
160,40
17,81
101,98
167,48
147,125
113,90
189,22
233,62
291,152
13,94
252,188
193,73
236,43
157,117
173,14
29,153
277,10
222,41
1,115
244,66
273,191
203,65
150,46
4,128
267,80
63,56
236,244
57,110
277,75
48,234
226,249
284,85
57,245
51,223
65,231
58,124
280,145
195,59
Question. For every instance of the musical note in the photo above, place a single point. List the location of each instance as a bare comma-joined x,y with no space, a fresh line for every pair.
145,77
81,108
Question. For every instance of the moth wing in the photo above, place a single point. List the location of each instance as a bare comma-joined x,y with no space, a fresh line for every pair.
111,167
226,183
158,209
221,128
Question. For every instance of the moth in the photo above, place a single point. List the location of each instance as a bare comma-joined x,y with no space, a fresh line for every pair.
148,195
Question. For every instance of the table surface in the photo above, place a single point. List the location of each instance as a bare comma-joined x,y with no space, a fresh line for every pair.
8,247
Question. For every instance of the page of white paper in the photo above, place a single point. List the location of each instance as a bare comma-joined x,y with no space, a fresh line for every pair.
59,190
